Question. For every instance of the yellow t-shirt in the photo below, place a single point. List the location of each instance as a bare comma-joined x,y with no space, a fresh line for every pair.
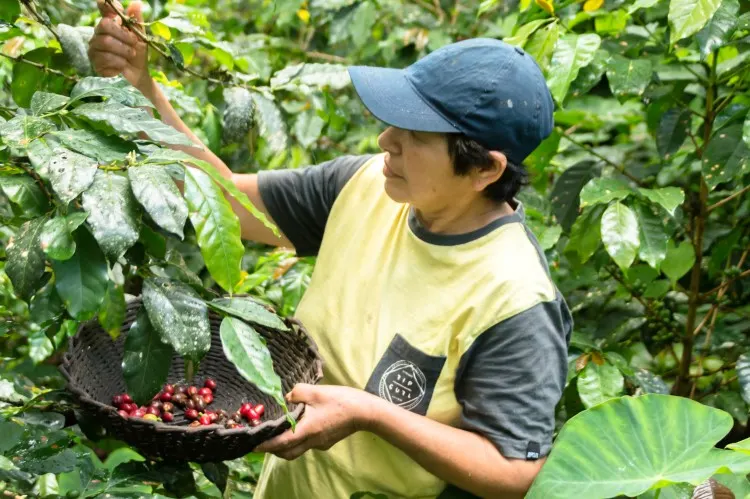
468,330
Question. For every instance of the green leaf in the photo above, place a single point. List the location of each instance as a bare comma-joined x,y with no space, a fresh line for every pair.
270,123
719,28
40,152
157,193
250,311
180,24
70,173
546,235
217,228
28,79
598,383
112,214
104,148
565,196
620,234
179,315
81,281
523,33
679,260
585,235
118,118
642,4
646,442
732,403
146,360
726,156
572,52
333,76
668,198
44,102
24,192
650,382
46,304
40,347
746,131
21,130
628,77
247,350
542,44
657,289
743,376
217,473
687,17
112,311
25,264
589,76
603,190
57,235
653,236
307,128
116,89
673,130
9,11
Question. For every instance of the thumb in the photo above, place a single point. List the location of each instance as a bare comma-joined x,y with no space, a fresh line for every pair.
106,9
301,393
134,10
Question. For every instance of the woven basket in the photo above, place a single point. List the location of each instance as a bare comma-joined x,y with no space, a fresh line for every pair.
92,367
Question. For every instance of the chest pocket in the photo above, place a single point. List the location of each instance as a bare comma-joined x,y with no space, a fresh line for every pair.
406,376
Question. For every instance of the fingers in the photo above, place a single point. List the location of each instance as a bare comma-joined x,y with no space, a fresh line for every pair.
106,9
111,27
134,10
104,45
301,393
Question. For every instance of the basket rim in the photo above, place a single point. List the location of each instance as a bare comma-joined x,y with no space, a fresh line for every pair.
295,326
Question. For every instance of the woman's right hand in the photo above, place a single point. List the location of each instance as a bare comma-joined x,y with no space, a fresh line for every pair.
115,49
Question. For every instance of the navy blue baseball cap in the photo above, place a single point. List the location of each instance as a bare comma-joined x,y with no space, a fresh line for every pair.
488,90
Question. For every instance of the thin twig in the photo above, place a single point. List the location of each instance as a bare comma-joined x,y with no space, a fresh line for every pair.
40,66
727,199
35,176
730,281
619,168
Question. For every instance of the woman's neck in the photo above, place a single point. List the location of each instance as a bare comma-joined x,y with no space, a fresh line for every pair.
463,218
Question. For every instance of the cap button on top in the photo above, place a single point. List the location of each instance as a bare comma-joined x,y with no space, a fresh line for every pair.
518,49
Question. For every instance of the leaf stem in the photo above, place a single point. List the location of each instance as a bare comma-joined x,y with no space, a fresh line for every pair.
727,199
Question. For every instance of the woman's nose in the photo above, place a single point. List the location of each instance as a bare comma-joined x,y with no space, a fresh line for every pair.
388,141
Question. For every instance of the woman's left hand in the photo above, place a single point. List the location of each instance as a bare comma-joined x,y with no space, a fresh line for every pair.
332,413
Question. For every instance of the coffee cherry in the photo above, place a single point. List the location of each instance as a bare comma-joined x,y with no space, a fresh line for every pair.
244,408
127,398
211,384
237,416
199,403
207,399
168,417
192,391
191,414
205,420
254,422
157,404
151,417
168,389
260,409
179,398
167,407
123,413
117,400
194,424
205,391
212,416
251,414
129,407
182,389
138,413
153,410
190,404
166,397
222,413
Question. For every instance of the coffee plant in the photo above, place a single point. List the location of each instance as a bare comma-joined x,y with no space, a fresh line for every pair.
639,198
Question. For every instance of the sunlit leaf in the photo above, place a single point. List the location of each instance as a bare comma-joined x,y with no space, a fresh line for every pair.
25,264
334,76
70,173
679,260
628,77
719,28
727,155
250,311
598,383
44,102
104,148
668,198
270,123
653,237
56,239
603,190
157,193
687,17
620,234
572,52
25,192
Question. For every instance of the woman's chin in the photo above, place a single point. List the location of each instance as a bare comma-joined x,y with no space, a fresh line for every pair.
395,191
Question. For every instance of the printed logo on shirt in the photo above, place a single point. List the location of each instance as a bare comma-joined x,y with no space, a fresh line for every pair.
404,384
406,376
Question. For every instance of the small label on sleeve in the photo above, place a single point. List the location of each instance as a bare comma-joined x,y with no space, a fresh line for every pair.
532,451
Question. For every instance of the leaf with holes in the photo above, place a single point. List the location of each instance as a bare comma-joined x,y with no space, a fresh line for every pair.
247,350
687,17
565,196
81,281
636,452
598,383
24,192
104,148
112,213
70,173
113,117
726,156
146,360
57,235
250,311
179,315
604,190
620,234
628,77
217,228
673,130
25,259
572,52
653,236
157,193
679,260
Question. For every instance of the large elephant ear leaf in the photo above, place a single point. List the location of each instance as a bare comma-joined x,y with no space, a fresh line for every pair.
646,442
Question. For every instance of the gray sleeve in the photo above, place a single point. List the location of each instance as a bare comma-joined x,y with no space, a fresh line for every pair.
511,378
300,200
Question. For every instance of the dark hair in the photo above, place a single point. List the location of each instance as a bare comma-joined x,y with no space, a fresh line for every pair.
467,154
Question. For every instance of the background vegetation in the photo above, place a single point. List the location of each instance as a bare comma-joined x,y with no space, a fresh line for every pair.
640,199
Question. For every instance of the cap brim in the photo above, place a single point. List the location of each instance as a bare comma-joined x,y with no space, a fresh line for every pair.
389,96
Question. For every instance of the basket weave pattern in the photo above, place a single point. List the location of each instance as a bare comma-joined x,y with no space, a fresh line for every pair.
92,367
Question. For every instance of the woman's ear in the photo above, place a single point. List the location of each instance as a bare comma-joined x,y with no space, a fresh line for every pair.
482,177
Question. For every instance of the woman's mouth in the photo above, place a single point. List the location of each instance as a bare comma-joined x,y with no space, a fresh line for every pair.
388,172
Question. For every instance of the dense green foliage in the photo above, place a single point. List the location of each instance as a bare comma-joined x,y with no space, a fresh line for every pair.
639,197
